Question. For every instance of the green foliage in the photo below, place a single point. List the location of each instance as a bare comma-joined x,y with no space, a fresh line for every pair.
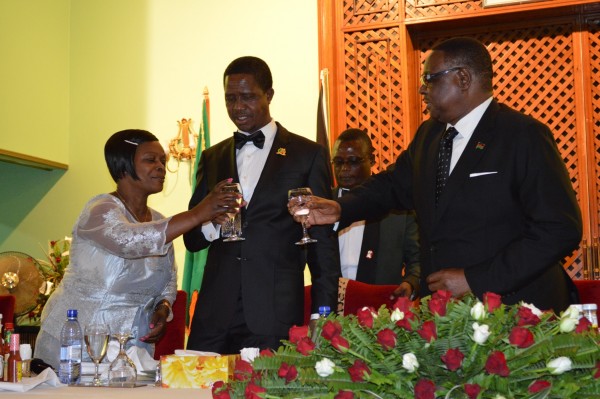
389,376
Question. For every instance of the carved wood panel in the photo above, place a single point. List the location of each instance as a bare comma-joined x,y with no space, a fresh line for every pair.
373,91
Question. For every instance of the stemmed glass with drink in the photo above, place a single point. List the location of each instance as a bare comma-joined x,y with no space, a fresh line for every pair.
122,371
96,338
232,229
298,206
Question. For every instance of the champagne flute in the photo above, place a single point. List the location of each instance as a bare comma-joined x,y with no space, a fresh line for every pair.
234,225
96,338
300,196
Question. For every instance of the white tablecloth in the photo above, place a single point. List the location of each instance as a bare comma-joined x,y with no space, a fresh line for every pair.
146,392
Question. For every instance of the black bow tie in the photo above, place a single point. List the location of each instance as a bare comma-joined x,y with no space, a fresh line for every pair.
258,138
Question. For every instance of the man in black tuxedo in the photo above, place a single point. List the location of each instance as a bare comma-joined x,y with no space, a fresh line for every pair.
253,290
383,250
507,214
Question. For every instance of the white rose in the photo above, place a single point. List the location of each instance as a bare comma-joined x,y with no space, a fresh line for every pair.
480,333
248,354
559,365
533,309
478,311
568,324
410,362
498,396
397,315
325,367
572,312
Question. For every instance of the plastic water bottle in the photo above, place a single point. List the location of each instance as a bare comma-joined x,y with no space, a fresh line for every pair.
324,311
71,339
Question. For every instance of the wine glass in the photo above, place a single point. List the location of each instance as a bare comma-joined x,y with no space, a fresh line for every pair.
300,196
122,371
234,224
96,338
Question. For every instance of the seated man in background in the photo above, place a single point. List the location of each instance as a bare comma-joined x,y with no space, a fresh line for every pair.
375,251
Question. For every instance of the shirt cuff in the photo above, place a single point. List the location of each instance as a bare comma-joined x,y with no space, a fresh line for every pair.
210,231
314,316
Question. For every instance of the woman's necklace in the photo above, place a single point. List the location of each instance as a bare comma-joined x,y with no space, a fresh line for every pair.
147,215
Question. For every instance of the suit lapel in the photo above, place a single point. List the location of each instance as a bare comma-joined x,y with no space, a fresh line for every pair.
474,151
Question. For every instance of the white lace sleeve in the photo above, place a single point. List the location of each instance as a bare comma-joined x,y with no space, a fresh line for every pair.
105,222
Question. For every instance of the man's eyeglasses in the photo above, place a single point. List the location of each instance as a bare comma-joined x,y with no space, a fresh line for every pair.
427,78
351,162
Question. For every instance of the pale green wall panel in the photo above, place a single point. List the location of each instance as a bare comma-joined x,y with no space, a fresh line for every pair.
34,77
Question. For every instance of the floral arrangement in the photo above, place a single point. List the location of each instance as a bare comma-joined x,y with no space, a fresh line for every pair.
438,348
53,269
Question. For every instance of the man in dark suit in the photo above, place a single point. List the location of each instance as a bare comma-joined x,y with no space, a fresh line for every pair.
252,291
507,214
383,250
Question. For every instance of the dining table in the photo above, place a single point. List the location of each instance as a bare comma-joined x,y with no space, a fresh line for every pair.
142,392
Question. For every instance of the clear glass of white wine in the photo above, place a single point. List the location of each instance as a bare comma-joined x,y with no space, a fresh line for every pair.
234,225
96,338
300,196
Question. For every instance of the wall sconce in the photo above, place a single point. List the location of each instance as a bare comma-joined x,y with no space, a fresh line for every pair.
183,146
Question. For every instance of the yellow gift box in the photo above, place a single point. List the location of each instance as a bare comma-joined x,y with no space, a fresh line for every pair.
189,371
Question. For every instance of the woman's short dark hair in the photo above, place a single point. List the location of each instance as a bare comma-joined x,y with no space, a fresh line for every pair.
119,152
252,66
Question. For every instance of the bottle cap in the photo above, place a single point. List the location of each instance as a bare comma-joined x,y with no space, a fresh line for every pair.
324,310
589,306
14,342
72,313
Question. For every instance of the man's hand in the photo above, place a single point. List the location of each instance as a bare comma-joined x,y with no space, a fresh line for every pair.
322,211
404,289
452,280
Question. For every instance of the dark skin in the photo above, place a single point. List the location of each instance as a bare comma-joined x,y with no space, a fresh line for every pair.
449,97
149,161
349,176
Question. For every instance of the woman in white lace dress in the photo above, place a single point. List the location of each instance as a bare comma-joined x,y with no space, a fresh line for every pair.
122,268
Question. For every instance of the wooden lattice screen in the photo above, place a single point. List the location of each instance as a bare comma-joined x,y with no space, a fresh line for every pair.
536,72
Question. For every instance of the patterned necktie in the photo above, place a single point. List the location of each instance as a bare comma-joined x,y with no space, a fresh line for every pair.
258,138
444,157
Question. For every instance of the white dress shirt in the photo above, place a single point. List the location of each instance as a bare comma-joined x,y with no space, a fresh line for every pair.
350,243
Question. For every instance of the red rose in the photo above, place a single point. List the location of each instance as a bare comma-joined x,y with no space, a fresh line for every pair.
305,346
340,343
521,337
539,385
331,329
297,333
583,325
365,317
425,389
428,331
437,306
386,338
405,322
526,317
288,372
344,395
266,353
492,301
253,390
496,364
403,304
472,390
358,370
444,296
242,370
597,373
219,390
453,359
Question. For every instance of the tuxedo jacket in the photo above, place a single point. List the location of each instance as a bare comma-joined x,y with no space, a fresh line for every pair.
508,214
267,269
389,252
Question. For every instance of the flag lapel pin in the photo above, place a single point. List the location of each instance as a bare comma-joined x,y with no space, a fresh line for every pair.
479,146
281,151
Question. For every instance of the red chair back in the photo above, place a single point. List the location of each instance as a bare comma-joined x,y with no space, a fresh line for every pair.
174,338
